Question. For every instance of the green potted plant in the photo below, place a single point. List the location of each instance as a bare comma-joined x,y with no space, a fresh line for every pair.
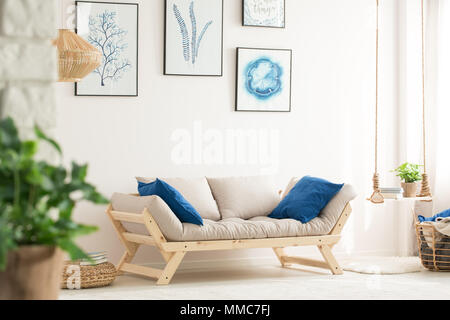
409,174
36,226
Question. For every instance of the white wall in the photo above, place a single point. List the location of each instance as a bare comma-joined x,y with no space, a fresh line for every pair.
329,132
28,64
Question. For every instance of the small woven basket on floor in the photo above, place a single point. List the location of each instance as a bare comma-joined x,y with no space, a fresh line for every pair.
90,276
434,247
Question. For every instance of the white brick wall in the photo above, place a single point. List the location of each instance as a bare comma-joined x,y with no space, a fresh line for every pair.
30,104
28,63
28,18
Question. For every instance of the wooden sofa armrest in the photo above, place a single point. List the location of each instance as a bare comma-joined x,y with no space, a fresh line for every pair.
337,229
164,217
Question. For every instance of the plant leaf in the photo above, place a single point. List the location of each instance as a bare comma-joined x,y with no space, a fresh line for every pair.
29,149
72,249
52,142
9,136
79,172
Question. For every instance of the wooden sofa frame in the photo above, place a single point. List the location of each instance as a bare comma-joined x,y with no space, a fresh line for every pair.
174,252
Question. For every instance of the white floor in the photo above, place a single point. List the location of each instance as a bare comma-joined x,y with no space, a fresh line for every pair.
274,282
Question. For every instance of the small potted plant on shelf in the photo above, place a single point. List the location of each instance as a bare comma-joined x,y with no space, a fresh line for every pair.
36,226
409,174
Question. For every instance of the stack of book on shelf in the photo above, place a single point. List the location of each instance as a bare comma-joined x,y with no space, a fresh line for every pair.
392,193
96,257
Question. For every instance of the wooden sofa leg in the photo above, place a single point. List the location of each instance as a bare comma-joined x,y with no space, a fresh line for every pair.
171,268
279,252
126,258
325,250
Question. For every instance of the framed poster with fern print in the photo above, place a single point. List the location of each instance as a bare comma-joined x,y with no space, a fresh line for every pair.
194,38
112,28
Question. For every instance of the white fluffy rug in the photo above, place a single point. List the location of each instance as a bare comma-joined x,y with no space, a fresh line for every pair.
383,265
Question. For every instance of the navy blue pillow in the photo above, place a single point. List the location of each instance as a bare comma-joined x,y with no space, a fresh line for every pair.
305,201
175,200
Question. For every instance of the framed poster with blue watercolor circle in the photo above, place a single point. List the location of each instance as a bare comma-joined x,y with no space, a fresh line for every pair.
263,79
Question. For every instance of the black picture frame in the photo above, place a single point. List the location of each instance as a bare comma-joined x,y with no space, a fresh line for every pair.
165,48
237,80
137,48
261,26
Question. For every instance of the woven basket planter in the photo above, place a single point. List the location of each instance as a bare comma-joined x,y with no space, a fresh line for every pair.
90,276
434,248
32,273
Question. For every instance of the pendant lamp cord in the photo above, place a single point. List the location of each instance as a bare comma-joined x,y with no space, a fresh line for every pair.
376,97
425,190
376,183
423,91
376,197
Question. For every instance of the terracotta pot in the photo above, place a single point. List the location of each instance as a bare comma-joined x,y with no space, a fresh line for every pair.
409,189
32,273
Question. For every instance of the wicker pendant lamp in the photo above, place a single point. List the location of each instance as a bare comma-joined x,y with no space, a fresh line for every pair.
77,57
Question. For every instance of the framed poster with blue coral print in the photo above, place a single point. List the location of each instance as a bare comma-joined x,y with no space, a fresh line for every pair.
263,79
112,28
193,38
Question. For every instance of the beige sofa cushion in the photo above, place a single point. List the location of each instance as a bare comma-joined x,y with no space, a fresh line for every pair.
339,201
244,197
196,191
233,228
289,187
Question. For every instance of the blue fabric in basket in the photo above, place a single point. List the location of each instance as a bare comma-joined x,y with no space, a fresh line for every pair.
443,214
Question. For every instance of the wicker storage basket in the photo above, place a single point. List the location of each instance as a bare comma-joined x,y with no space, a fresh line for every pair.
91,276
434,247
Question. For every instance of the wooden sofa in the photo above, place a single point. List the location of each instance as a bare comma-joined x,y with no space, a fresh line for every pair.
173,252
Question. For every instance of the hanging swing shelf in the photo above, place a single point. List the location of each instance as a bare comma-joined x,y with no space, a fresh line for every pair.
425,193
404,199
426,199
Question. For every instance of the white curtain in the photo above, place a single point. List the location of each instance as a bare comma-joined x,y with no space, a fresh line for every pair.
438,100
437,53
